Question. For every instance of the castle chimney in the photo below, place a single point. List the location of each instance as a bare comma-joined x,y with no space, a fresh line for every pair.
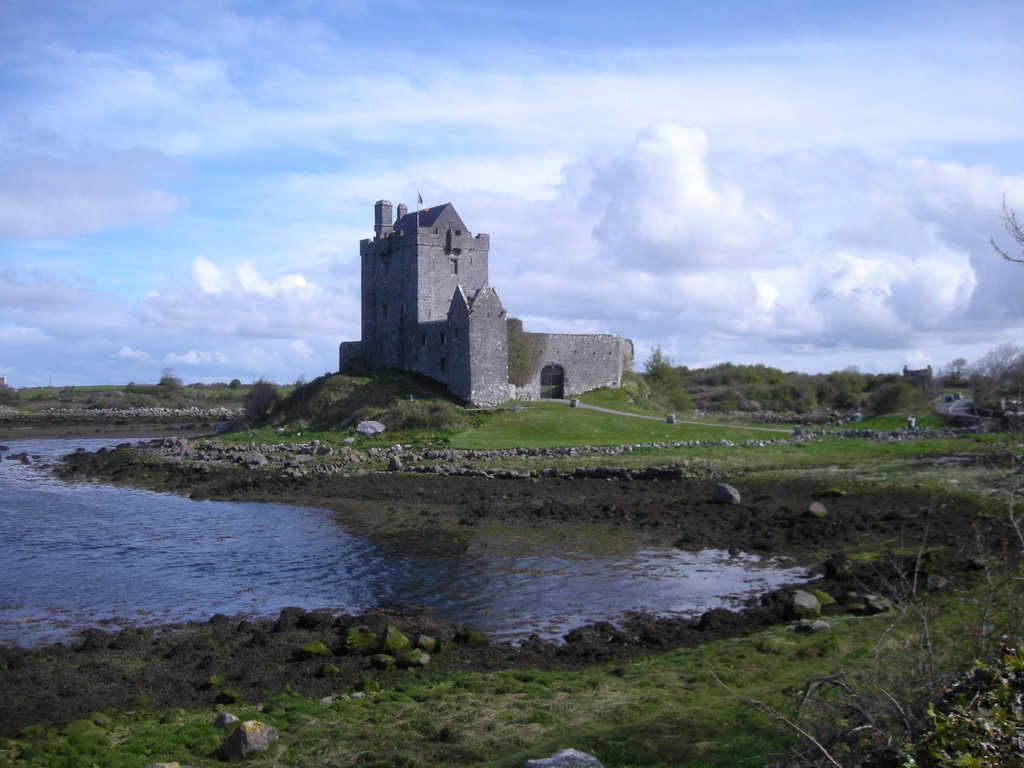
382,224
402,210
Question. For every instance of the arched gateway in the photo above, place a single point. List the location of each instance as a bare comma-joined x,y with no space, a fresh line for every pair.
552,382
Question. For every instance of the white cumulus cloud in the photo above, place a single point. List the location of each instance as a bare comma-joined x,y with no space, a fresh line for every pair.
127,353
662,208
193,357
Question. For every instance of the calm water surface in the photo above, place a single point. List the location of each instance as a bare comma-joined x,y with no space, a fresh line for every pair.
83,554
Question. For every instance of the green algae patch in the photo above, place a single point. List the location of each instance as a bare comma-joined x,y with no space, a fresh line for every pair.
85,732
413,659
328,670
824,598
395,641
367,685
359,639
311,650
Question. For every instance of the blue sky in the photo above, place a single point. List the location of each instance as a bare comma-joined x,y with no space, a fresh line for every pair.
807,185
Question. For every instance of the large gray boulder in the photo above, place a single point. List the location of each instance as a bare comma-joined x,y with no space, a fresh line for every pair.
251,736
367,428
224,719
816,510
255,460
723,493
565,758
876,604
802,605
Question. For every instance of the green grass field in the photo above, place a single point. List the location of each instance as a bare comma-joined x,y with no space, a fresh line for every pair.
551,424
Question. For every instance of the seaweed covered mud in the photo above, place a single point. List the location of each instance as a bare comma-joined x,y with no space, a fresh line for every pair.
805,516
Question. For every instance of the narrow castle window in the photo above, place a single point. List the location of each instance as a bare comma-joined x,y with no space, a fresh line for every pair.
387,267
384,309
443,366
443,338
455,266
423,339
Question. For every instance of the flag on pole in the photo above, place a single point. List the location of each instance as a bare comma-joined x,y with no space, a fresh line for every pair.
419,199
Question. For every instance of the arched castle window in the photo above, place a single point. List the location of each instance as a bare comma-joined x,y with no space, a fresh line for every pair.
552,382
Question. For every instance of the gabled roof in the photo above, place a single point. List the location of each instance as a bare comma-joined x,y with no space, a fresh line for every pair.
435,217
480,299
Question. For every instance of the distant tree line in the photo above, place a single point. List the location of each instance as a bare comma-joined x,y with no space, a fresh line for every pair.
756,388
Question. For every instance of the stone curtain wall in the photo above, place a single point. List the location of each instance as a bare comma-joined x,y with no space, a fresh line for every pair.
524,354
588,360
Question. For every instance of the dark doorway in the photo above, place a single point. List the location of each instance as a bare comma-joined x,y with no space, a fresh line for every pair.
552,382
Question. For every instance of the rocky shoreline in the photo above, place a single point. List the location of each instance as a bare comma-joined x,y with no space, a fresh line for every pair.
315,653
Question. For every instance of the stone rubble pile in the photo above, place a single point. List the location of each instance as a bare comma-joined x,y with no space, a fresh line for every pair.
315,457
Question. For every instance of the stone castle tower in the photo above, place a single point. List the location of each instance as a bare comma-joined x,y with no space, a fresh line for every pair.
427,307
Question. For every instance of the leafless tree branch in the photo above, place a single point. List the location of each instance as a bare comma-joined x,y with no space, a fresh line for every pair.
1014,229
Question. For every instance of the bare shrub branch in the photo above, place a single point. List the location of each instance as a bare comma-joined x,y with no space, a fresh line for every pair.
774,714
1015,231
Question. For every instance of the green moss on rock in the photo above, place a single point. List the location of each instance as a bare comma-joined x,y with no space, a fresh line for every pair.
367,686
382,661
395,641
802,605
824,598
413,658
470,637
359,640
328,670
84,731
311,650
